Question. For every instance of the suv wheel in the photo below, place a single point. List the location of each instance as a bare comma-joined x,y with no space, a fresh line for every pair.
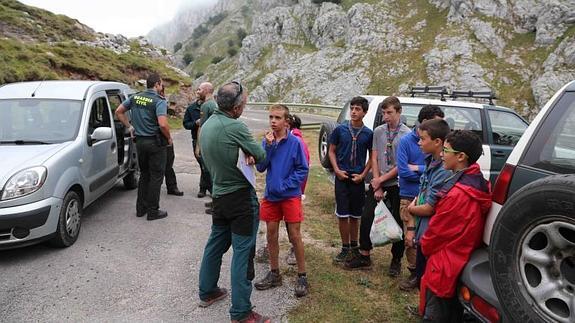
532,256
323,144
69,221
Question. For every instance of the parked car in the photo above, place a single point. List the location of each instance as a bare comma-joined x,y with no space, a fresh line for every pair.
499,127
526,272
60,150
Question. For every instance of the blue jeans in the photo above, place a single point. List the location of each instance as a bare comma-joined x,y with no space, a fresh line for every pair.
234,224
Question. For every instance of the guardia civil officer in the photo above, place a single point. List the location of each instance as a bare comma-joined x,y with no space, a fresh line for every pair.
152,133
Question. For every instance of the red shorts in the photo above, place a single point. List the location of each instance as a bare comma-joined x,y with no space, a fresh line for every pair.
289,210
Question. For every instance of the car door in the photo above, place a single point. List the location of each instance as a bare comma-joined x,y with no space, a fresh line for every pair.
100,166
506,129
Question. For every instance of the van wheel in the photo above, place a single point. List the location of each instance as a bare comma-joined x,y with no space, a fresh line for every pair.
69,222
131,179
532,256
323,144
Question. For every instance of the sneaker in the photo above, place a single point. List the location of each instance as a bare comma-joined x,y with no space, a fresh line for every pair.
358,263
354,253
410,283
270,280
342,256
253,317
263,255
290,258
301,286
218,294
394,268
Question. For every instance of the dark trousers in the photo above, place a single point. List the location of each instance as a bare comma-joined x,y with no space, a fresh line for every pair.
171,183
392,202
442,310
152,162
205,179
420,262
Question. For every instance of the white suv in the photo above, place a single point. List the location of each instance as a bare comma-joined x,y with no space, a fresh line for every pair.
527,271
499,128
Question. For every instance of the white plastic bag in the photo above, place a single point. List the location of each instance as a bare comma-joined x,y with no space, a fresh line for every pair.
384,229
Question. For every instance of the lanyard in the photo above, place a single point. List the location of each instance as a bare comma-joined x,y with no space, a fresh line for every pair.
391,135
354,136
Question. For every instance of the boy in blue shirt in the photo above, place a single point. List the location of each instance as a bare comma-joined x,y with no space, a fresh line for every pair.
410,167
349,145
287,168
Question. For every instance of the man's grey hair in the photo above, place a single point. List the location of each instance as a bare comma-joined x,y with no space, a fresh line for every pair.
229,96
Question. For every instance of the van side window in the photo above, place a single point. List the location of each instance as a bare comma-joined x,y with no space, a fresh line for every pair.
506,127
99,115
553,147
460,118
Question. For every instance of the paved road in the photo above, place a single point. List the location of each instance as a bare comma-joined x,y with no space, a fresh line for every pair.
124,268
257,119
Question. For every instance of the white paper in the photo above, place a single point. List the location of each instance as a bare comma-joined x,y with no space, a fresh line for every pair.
248,170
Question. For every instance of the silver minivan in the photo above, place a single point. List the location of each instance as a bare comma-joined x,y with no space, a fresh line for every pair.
60,149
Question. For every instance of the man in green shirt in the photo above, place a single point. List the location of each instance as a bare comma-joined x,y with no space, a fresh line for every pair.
235,216
205,94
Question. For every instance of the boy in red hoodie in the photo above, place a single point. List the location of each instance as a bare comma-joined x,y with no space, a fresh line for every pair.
456,229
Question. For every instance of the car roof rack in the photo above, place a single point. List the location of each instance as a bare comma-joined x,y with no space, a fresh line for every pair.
487,95
428,90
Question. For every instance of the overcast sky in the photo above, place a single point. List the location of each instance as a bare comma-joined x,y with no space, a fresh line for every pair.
127,17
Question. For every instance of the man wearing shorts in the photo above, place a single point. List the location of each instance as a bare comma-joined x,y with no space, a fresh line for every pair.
287,168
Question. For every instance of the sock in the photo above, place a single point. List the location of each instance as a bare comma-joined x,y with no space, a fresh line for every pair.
354,244
301,274
275,271
345,245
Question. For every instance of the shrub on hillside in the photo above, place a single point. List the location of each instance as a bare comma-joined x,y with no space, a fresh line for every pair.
188,58
232,51
177,47
217,59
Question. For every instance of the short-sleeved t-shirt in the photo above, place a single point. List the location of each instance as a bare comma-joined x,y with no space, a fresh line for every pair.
386,157
145,108
207,109
342,138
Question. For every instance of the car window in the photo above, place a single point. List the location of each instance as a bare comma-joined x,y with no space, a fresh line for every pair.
553,147
506,127
344,114
99,115
46,120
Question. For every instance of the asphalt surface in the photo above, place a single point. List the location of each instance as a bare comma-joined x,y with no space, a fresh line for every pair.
257,119
124,268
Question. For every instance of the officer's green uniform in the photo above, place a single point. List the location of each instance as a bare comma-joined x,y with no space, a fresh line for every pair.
235,209
207,109
145,108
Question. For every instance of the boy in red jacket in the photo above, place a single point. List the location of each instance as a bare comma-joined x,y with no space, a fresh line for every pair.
456,229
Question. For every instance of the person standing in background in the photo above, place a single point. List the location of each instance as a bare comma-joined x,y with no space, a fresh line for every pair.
205,94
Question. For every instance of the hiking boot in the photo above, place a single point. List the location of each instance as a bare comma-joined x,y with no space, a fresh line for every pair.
253,317
360,262
270,280
394,268
262,255
354,253
175,192
410,283
156,215
290,258
301,286
218,294
342,256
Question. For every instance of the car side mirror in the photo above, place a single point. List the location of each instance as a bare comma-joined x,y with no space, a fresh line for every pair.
101,133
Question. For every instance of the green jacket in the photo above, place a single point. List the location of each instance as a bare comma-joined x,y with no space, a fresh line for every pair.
207,109
220,139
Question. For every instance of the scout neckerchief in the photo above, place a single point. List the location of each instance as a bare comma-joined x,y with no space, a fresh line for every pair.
390,138
354,136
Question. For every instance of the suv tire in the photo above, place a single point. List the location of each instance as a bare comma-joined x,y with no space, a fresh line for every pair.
532,258
69,222
323,144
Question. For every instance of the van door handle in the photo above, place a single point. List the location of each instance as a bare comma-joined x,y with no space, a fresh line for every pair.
499,154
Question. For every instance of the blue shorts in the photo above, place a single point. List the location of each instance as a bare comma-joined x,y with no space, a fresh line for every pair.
349,198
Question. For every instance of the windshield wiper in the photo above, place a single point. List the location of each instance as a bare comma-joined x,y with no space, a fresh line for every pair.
25,142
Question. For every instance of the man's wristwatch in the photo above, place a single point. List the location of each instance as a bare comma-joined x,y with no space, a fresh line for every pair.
410,228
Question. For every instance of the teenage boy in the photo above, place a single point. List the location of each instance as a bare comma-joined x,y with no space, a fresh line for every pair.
431,136
410,166
456,229
349,145
385,140
287,168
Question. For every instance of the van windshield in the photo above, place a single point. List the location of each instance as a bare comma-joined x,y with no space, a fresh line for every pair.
39,120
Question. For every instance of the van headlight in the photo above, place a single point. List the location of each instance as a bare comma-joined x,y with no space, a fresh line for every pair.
24,182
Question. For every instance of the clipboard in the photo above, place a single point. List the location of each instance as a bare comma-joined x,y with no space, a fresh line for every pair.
248,171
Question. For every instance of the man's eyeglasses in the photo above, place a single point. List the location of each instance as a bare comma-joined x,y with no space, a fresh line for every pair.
239,92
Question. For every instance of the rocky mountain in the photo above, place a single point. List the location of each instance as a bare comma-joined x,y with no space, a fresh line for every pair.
36,44
328,51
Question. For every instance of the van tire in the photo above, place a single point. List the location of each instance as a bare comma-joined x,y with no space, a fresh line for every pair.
69,221
533,245
323,143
